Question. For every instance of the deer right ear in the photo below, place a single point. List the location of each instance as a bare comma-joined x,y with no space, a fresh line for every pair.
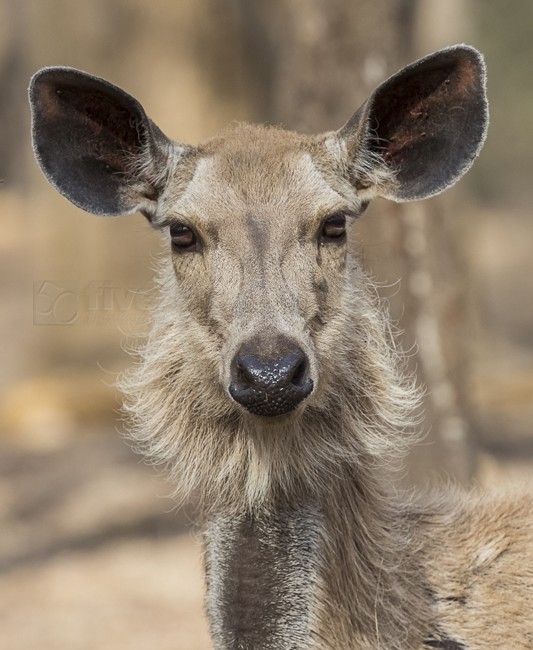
95,143
422,128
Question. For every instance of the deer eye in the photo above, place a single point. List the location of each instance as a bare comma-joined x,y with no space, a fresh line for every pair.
184,238
333,229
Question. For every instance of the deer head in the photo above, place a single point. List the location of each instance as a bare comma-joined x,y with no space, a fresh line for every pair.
266,321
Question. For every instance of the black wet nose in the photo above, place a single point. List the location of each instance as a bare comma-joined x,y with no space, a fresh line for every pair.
270,386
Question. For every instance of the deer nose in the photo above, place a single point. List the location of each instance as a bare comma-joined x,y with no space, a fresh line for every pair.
270,387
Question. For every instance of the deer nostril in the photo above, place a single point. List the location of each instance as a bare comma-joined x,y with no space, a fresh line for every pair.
270,386
271,373
298,375
246,370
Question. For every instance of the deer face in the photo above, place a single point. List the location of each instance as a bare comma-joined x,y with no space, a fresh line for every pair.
258,219
258,243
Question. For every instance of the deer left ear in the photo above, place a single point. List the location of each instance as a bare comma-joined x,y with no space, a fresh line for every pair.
425,125
95,143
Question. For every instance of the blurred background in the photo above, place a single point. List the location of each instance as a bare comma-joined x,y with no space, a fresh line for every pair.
93,554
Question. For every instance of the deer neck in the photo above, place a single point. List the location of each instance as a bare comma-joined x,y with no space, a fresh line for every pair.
314,572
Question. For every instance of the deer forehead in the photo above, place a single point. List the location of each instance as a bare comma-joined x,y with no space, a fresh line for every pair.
271,179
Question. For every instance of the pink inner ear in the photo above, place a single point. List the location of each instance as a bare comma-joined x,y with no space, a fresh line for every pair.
428,122
413,108
397,146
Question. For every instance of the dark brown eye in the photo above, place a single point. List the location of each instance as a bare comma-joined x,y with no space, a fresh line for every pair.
183,238
333,229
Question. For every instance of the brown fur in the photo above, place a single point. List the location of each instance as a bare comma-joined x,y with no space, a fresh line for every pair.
393,571
204,317
308,543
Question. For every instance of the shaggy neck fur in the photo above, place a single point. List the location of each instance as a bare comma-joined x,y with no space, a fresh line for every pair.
333,458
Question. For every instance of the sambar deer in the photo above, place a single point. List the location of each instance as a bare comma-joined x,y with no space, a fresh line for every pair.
270,384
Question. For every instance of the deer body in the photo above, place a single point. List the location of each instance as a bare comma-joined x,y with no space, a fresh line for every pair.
270,384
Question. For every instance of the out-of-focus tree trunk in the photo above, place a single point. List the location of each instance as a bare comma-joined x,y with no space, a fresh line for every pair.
317,61
14,66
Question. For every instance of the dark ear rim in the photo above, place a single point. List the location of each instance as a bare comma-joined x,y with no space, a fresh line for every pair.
356,132
56,79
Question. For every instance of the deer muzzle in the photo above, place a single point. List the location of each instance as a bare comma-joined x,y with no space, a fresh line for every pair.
270,386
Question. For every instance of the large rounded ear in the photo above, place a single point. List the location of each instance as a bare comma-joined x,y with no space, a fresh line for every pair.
422,128
95,143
